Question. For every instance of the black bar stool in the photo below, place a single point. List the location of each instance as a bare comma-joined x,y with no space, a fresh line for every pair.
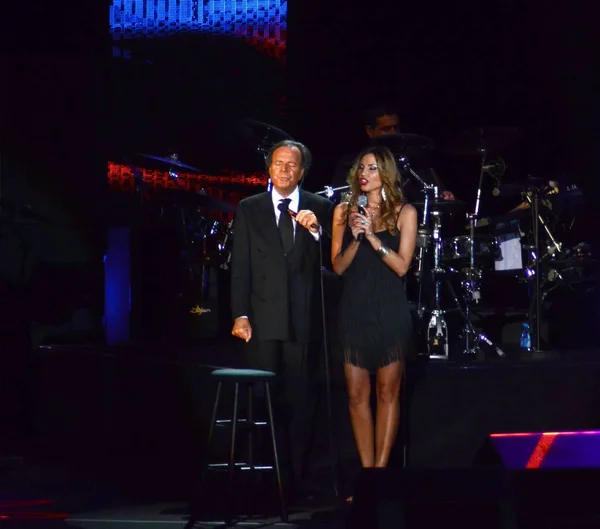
247,377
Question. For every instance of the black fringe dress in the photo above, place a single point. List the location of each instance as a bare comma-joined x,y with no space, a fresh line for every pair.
375,323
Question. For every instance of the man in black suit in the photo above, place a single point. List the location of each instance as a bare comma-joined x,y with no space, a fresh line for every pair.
275,267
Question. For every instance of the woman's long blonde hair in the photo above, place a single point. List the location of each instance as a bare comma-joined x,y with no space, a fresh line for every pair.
390,179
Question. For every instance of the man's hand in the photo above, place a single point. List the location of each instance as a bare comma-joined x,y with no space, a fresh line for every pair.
447,195
305,218
242,329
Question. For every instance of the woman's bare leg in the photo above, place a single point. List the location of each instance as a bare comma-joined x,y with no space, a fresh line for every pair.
359,390
389,379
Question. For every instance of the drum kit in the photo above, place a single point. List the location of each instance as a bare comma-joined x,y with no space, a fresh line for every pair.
523,243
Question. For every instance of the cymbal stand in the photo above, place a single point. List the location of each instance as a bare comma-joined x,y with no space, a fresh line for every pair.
437,329
424,233
471,289
483,152
471,286
423,240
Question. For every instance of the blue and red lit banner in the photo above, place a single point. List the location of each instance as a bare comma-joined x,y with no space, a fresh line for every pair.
260,22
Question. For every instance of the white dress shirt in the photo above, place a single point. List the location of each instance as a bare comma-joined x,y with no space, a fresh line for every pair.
294,204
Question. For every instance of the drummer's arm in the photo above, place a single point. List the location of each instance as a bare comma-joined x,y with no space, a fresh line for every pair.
522,205
445,194
399,261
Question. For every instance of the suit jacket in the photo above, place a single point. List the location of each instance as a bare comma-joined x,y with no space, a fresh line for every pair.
276,292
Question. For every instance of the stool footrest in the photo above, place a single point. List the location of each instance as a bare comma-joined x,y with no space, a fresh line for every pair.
239,466
240,422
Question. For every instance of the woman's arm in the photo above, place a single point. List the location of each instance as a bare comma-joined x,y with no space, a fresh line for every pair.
340,261
399,261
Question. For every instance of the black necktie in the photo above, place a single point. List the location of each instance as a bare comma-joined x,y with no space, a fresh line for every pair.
286,227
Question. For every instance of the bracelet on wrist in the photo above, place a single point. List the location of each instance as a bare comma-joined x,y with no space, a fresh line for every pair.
383,251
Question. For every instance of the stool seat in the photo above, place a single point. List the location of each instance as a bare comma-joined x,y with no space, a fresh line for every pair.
242,374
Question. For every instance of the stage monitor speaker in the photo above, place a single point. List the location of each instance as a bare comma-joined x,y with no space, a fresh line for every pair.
544,450
406,498
551,475
517,480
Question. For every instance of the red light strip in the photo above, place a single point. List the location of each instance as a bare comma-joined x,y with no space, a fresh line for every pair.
541,450
120,176
530,434
9,511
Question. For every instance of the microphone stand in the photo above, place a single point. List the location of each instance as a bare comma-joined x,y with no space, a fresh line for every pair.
334,453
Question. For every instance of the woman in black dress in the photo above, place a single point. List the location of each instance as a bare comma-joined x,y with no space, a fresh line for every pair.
373,252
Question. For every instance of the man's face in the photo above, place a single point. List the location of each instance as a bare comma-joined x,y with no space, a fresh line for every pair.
386,124
286,169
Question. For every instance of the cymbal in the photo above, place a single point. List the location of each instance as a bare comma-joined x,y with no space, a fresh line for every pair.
263,135
195,199
442,206
470,142
171,161
404,144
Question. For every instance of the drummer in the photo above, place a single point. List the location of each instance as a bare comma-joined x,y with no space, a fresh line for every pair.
384,121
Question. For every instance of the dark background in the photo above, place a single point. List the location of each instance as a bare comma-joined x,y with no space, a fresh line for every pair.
446,67
68,104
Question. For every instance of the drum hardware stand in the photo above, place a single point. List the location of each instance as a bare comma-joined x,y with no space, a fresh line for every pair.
472,295
329,191
534,199
437,328
470,332
424,233
472,283
483,151
538,218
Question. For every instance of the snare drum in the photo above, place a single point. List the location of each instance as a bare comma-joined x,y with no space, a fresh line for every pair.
457,250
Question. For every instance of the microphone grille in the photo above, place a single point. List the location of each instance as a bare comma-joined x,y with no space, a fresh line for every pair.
361,201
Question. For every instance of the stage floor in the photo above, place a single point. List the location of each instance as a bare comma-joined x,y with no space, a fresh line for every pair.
118,433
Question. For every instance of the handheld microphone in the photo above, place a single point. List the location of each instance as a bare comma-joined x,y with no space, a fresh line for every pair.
361,202
293,214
